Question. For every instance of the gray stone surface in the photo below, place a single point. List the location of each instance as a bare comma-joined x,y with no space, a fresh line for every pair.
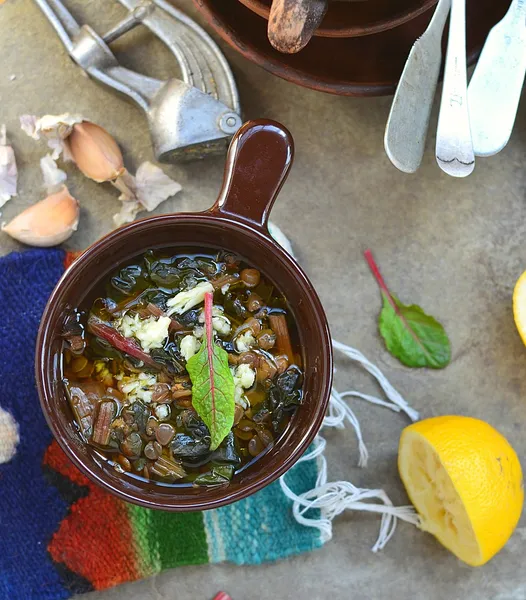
456,247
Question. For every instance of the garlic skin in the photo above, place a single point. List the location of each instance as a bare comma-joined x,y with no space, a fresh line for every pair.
55,128
127,213
95,152
48,222
53,177
154,186
8,170
145,191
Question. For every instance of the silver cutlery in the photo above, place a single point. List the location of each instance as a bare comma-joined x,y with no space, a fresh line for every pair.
454,146
408,122
495,88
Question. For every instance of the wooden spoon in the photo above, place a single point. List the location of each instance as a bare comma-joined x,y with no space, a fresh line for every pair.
292,23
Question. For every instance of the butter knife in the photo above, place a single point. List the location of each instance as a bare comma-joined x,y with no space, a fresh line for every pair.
408,122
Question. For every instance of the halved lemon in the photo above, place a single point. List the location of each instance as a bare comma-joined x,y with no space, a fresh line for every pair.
465,481
519,305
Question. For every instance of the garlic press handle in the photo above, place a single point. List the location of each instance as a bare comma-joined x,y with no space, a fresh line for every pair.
61,19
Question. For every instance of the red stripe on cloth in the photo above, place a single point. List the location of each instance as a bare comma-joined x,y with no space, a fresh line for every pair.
95,539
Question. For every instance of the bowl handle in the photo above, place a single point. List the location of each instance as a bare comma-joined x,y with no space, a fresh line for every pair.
257,163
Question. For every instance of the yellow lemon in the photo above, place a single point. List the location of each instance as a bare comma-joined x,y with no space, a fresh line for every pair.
465,481
519,305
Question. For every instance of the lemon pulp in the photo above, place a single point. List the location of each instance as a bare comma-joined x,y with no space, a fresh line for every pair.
437,501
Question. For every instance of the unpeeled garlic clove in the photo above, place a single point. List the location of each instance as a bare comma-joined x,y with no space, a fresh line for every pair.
48,222
95,152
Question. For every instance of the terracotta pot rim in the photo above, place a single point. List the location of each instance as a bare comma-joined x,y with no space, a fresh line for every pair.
302,76
343,31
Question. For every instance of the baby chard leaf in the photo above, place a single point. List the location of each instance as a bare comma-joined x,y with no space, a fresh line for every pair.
412,336
213,389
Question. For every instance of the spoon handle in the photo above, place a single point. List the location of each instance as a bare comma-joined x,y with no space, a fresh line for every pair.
454,146
408,122
496,85
292,23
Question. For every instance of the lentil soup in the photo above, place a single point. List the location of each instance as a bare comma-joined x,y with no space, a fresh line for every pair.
185,369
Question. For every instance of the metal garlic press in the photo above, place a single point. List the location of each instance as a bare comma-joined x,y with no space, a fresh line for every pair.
189,117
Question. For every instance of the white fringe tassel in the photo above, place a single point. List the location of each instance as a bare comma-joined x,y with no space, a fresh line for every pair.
334,497
397,402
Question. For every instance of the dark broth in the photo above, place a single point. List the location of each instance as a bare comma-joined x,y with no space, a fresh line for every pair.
127,383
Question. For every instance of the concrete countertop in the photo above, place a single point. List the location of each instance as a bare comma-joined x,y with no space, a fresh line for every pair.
456,247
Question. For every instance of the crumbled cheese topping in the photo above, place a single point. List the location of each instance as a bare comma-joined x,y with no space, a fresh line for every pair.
225,288
189,346
245,341
151,332
220,322
199,331
187,299
137,386
244,377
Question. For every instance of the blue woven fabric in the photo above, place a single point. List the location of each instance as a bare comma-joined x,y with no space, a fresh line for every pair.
30,508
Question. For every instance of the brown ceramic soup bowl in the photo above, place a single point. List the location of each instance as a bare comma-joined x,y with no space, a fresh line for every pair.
258,161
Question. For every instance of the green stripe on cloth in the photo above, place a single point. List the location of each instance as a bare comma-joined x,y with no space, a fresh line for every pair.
166,540
148,561
251,531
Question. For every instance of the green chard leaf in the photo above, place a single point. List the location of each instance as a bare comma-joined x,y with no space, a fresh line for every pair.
213,389
412,336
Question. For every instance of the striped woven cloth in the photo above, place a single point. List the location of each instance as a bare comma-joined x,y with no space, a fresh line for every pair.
60,534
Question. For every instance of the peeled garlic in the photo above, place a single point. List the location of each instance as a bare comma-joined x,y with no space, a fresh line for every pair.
95,152
8,170
48,222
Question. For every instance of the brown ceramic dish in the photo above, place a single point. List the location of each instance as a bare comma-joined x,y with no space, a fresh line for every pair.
354,19
360,66
258,162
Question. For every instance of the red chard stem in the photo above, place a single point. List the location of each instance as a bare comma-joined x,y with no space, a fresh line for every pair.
209,333
379,279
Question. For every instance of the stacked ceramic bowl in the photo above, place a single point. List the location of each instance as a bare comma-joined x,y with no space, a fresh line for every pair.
358,49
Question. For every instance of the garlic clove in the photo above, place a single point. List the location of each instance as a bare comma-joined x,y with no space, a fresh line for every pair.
95,152
48,222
